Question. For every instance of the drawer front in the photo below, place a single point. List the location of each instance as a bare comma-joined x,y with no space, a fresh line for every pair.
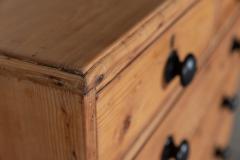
214,133
200,100
221,145
224,9
203,139
224,127
215,130
131,100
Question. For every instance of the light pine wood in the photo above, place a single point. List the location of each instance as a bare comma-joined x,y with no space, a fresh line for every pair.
225,130
89,126
140,88
29,51
222,138
215,129
39,122
59,32
157,119
143,137
41,74
45,111
84,80
218,135
134,42
55,33
183,121
202,141
223,10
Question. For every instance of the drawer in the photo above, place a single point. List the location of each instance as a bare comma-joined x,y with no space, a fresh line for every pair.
215,134
225,129
203,139
215,129
182,123
224,10
128,104
221,138
226,120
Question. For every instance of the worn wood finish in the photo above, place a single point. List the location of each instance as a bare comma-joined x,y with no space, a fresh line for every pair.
227,117
47,86
84,80
225,130
202,138
57,33
223,122
140,88
224,10
207,138
89,126
68,42
202,141
157,119
42,74
216,132
39,122
133,43
185,125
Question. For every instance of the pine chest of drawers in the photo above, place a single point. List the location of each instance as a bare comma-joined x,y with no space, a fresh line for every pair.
114,80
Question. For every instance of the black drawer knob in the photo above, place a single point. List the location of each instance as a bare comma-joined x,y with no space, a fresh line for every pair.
186,69
222,153
235,45
230,103
170,150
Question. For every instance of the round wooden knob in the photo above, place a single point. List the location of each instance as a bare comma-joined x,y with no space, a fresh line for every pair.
180,152
186,69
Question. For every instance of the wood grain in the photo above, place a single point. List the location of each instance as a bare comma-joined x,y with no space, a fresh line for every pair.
58,57
219,133
62,33
39,122
169,103
202,141
204,94
135,41
224,10
184,119
224,128
140,88
90,128
56,34
51,92
215,133
41,74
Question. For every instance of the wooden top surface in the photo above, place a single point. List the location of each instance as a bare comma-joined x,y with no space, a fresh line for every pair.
71,34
